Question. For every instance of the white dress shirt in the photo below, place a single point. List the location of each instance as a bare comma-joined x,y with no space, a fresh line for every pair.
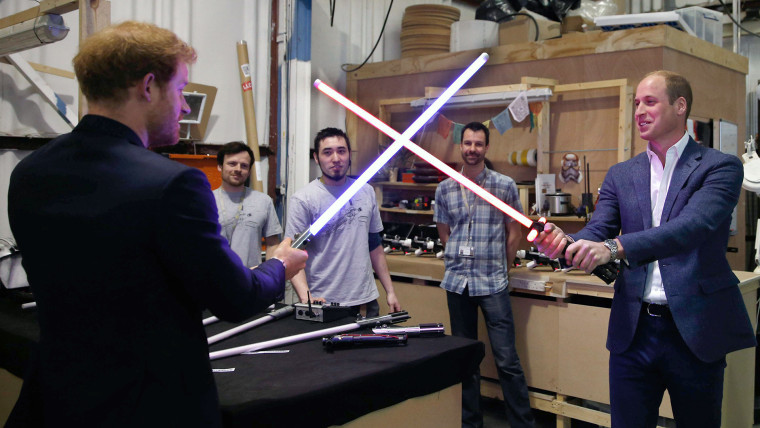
658,189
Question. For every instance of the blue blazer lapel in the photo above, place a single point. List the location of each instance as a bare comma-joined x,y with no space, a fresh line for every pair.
687,163
641,180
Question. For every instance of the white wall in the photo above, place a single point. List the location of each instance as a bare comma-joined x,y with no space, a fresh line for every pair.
212,27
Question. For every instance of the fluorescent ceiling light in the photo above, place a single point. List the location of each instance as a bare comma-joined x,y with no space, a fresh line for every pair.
32,33
489,99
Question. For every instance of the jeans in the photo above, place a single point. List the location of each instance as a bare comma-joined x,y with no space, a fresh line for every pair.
497,311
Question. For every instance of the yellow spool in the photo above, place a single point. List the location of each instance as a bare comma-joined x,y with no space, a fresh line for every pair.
523,158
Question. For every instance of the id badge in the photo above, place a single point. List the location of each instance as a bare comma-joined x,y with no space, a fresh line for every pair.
466,251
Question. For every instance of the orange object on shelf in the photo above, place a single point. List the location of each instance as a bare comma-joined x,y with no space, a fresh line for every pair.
407,177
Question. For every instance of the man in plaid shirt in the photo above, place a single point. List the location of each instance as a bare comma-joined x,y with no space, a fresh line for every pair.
480,241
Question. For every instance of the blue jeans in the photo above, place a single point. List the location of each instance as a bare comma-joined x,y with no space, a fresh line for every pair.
497,311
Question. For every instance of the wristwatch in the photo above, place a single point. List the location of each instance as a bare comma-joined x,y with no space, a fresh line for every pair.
611,245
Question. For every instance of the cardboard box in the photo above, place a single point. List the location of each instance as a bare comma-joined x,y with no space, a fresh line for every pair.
521,29
576,23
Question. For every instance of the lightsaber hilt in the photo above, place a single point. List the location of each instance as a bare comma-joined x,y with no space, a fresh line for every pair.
353,340
302,240
392,318
607,272
422,330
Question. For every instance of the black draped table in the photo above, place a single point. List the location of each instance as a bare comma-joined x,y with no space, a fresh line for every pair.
306,385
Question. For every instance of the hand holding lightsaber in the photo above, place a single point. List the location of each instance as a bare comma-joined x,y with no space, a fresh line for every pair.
553,242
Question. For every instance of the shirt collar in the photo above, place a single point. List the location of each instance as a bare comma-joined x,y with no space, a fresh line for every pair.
678,148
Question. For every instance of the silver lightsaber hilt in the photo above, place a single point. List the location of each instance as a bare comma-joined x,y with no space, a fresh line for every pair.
392,318
301,240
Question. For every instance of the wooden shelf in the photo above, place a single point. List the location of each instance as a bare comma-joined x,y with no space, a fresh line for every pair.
406,211
404,185
558,219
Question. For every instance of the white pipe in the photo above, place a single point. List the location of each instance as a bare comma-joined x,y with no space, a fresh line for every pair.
391,318
274,315
281,341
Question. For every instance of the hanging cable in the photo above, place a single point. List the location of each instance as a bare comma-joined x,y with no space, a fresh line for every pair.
725,11
382,30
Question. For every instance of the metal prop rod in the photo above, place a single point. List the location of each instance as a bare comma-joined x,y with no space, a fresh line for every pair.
391,318
274,315
607,273
390,151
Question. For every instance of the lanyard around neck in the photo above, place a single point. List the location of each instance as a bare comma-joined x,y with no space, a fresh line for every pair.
465,197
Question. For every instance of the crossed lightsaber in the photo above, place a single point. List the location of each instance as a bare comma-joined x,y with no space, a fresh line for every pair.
607,272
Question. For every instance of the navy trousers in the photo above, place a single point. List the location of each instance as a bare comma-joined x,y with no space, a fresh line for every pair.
658,359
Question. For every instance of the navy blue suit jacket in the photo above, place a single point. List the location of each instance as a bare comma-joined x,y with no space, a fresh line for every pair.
123,252
690,245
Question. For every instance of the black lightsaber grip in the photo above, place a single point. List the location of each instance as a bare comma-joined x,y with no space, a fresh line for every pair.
607,272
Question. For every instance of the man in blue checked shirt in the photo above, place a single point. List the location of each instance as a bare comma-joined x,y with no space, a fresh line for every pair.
480,240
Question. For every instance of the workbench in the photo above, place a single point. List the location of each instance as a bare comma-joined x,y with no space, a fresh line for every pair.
301,385
561,335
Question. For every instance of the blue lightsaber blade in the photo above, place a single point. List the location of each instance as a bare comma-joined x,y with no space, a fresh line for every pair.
390,151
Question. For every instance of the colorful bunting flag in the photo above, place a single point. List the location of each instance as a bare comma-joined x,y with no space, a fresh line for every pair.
502,121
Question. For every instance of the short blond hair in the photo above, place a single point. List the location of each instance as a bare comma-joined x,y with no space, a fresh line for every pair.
115,58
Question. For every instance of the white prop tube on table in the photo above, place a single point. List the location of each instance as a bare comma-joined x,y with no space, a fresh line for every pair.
274,315
392,318
210,320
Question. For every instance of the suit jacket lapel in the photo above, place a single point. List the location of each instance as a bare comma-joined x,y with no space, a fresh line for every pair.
687,163
641,179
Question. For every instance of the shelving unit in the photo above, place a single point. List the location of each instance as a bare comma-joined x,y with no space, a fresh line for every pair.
408,191
381,187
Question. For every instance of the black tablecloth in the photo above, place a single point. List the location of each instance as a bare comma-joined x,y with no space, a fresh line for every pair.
306,385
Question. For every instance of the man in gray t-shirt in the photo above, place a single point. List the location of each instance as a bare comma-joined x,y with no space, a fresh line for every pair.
245,214
343,253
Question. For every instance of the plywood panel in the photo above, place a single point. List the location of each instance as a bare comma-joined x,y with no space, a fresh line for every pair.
577,122
584,360
537,333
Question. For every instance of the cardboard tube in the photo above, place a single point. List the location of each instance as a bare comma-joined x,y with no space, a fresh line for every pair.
246,87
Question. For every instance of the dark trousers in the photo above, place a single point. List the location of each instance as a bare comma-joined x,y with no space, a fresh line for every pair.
658,359
372,309
497,311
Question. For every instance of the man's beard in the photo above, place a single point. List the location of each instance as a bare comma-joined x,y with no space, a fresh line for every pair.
335,177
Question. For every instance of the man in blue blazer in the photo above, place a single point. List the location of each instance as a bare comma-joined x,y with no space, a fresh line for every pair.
123,251
677,310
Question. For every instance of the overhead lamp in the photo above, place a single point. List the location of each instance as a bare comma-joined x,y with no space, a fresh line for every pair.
29,34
